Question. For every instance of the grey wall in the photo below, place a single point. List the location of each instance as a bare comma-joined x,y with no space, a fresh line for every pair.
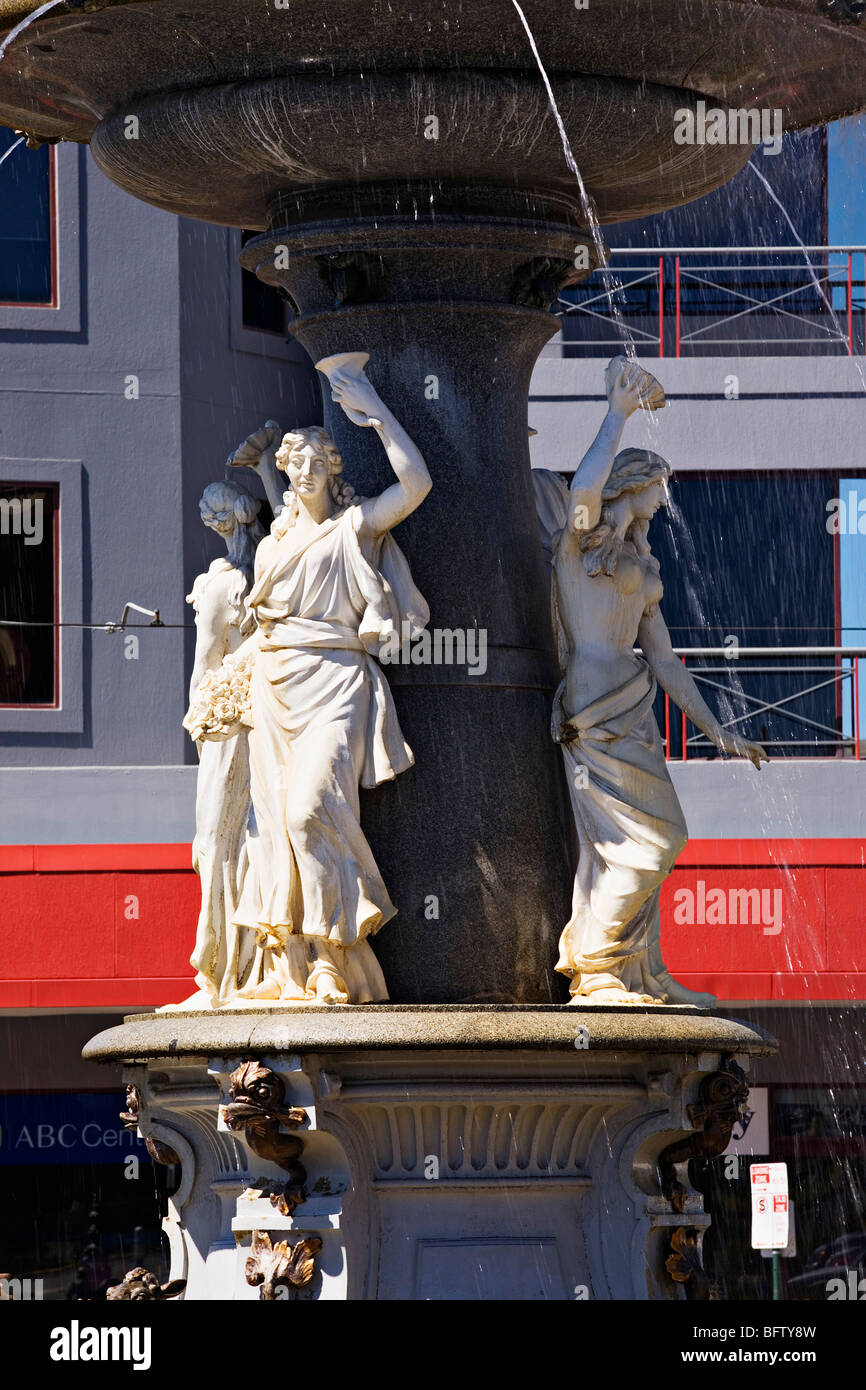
787,410
155,303
231,381
160,298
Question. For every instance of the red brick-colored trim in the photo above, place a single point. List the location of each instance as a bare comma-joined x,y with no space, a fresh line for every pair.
128,914
70,859
87,858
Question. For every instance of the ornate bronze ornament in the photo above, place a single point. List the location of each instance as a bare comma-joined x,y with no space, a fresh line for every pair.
258,1109
140,1286
281,1266
159,1151
721,1098
684,1265
537,283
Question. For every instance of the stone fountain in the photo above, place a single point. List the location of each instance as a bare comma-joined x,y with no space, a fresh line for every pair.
475,1136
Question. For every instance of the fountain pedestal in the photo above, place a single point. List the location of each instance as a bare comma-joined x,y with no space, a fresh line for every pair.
453,324
450,1153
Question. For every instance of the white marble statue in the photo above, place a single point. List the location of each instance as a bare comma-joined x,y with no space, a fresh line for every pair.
331,587
223,787
606,595
259,453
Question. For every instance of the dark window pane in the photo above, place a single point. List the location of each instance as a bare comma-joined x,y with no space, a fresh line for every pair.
75,1221
749,555
262,307
25,226
27,594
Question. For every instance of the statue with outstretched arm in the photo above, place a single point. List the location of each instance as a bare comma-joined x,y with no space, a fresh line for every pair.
331,589
606,596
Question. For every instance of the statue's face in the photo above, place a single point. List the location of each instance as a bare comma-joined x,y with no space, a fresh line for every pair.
308,471
221,522
646,503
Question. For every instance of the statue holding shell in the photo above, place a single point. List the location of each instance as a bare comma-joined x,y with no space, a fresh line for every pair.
606,595
330,588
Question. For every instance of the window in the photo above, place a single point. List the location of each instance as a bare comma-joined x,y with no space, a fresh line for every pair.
748,562
850,527
42,567
64,1156
262,307
27,272
28,595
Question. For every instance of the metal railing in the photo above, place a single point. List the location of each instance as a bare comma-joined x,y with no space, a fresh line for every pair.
754,679
685,301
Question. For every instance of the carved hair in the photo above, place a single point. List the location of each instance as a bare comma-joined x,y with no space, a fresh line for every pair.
341,491
218,502
222,500
633,470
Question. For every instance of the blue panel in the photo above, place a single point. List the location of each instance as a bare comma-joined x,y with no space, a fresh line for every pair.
25,223
749,555
742,212
74,1127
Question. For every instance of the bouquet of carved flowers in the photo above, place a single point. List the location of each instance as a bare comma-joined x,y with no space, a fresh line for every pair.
220,707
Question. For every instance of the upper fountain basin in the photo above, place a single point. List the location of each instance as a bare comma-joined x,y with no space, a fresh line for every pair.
238,101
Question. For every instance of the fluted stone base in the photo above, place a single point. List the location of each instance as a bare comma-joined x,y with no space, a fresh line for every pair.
450,1153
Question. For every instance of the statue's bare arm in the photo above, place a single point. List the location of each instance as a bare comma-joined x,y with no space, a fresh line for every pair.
672,676
362,403
210,626
624,397
267,440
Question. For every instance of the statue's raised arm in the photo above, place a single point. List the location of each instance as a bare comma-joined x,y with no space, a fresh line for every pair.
363,405
629,388
606,595
331,587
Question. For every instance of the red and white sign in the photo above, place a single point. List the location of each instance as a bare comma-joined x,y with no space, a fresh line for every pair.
769,1205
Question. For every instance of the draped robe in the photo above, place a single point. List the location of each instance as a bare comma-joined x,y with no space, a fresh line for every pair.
629,822
221,809
323,723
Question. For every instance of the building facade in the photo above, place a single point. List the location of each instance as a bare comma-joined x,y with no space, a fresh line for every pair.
756,330
134,356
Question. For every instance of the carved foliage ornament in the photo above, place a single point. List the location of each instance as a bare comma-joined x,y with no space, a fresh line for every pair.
271,1267
684,1264
353,277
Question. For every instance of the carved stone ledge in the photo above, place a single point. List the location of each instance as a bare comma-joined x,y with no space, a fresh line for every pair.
284,1196
440,1143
